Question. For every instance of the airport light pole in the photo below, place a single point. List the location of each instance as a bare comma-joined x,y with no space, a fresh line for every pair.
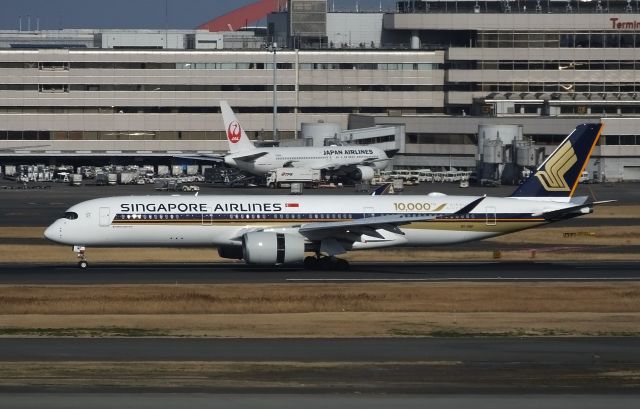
274,47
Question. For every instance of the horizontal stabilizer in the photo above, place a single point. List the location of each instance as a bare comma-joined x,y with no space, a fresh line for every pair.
571,212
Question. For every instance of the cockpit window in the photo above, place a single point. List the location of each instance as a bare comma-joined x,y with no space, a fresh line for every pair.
70,215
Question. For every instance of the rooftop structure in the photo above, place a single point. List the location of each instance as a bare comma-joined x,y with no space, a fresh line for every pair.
243,16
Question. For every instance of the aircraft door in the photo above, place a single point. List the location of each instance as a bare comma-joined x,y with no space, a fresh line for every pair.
491,216
105,216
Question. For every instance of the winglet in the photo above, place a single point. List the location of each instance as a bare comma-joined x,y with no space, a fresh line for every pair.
558,176
236,136
385,189
469,208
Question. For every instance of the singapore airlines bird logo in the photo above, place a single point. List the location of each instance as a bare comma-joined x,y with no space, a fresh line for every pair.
552,177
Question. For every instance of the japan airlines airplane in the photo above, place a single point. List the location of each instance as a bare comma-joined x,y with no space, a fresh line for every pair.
277,229
356,162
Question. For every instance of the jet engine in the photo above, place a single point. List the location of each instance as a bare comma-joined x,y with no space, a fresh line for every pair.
234,252
272,248
362,173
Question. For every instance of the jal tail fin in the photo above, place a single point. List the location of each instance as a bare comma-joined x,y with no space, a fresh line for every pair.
557,178
236,137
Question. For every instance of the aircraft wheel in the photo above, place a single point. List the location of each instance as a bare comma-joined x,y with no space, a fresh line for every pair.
83,264
326,264
341,264
311,263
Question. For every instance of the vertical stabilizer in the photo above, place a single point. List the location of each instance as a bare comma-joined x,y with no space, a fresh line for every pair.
236,137
557,178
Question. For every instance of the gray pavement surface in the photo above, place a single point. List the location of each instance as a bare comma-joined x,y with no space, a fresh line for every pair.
315,401
564,351
384,366
198,273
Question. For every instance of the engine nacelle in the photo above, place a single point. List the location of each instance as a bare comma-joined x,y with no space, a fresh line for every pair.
234,252
272,248
363,173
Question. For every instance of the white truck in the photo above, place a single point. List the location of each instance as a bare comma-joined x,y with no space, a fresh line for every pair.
127,178
284,177
103,179
75,179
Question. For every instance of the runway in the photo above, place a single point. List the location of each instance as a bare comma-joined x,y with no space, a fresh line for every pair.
198,273
548,351
311,401
381,366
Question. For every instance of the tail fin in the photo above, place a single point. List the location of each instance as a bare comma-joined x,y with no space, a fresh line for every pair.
236,137
558,176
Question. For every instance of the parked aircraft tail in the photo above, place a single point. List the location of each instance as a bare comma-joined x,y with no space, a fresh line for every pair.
236,137
557,177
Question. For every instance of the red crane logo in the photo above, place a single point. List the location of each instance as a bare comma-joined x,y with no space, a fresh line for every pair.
234,132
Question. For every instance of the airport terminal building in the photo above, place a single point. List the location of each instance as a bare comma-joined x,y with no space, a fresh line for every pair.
440,71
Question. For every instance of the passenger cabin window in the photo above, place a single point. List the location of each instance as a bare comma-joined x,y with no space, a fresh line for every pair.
70,215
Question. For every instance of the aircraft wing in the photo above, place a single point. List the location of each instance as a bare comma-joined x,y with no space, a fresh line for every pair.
209,157
328,166
250,157
14,148
337,166
352,230
370,161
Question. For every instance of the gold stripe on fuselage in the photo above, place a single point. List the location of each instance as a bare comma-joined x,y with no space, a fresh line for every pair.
476,225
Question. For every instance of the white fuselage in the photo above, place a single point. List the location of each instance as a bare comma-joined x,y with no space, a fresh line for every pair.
328,157
208,221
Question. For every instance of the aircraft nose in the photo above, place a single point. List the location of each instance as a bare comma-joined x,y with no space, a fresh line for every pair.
52,232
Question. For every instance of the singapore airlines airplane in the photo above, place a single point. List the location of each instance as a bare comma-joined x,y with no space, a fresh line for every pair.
278,229
356,162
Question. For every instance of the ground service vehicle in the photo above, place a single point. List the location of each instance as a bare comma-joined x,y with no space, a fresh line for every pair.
285,176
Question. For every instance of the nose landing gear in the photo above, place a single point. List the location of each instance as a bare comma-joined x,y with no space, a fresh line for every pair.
82,260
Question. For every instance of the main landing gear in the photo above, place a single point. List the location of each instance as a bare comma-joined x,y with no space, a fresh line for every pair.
325,263
82,260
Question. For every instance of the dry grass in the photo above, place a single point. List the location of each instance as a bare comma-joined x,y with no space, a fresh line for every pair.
320,298
615,211
354,377
22,233
323,325
196,374
322,310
